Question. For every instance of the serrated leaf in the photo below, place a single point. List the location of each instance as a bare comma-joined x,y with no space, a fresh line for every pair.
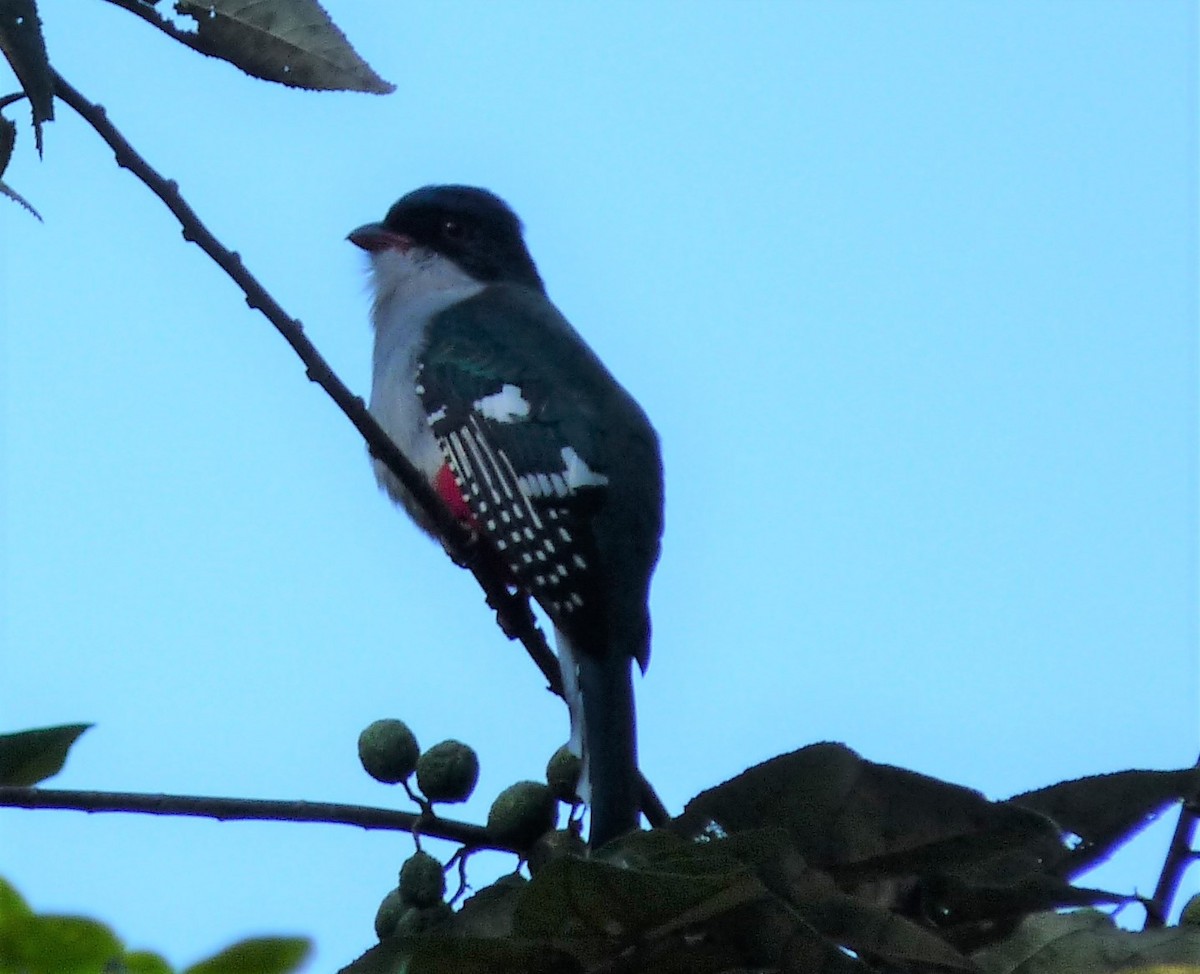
29,757
8,141
853,818
262,955
1106,810
22,44
292,42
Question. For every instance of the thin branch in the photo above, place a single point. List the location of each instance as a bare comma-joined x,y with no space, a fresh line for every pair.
244,809
143,9
1180,854
513,612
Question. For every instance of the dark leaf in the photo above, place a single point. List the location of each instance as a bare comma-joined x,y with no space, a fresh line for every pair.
292,42
857,819
954,901
1087,942
809,954
262,955
872,931
836,916
457,955
8,138
569,897
22,43
29,757
489,913
1106,810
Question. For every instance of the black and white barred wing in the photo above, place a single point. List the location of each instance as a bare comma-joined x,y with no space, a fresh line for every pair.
529,488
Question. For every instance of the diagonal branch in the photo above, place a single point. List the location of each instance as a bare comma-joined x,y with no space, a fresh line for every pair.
513,612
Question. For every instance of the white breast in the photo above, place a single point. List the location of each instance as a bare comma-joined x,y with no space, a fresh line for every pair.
410,288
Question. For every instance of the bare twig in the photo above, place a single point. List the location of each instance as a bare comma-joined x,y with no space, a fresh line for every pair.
1180,855
243,809
143,9
513,612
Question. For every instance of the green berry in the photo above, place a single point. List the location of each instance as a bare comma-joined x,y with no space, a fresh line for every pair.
447,772
388,914
562,774
422,881
388,751
521,813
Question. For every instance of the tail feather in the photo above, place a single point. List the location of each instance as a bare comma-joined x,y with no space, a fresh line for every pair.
603,733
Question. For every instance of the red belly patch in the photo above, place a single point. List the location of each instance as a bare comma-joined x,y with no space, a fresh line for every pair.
448,490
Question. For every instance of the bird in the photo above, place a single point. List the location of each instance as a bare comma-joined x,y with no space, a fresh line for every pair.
534,447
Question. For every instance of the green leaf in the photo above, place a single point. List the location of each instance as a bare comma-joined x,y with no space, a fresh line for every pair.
145,962
260,955
1087,942
15,917
58,945
29,757
13,907
460,955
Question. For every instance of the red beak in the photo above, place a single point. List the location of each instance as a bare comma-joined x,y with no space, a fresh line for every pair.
374,237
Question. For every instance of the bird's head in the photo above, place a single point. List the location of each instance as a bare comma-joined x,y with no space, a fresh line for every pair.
443,230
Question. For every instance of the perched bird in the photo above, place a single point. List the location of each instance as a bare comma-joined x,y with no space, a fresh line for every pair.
531,443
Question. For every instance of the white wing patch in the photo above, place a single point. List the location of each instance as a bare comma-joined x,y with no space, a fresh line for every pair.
578,473
506,406
574,475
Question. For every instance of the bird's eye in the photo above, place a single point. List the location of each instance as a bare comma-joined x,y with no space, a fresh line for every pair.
453,230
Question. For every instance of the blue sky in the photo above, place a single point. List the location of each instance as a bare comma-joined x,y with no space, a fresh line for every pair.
909,291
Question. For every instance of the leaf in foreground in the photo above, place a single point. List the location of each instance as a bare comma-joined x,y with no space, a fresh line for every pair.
1087,942
35,944
262,955
29,757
